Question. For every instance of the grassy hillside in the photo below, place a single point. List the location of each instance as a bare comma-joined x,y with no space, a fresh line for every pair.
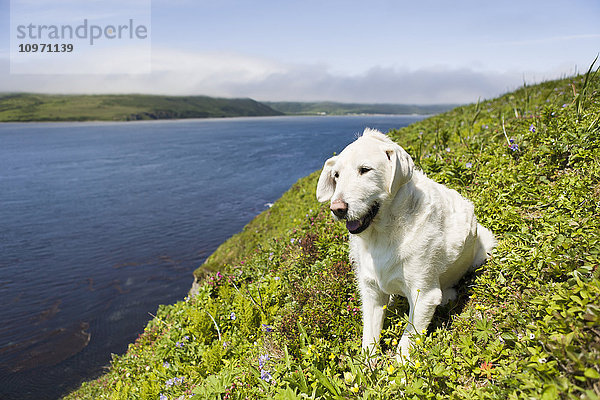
281,320
333,108
39,107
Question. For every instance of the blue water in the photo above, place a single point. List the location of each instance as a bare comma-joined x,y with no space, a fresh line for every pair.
102,222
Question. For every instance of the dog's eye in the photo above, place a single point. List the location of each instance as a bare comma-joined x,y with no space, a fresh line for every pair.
364,170
336,175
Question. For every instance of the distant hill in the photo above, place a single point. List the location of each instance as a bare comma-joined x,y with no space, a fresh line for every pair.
24,107
333,108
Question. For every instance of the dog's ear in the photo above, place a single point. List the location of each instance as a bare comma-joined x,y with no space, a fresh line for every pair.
326,184
401,168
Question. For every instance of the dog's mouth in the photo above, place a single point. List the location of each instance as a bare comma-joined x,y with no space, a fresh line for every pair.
358,225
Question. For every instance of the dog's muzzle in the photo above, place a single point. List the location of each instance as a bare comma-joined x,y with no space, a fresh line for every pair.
356,226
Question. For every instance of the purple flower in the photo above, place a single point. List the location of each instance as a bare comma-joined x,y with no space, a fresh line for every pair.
531,128
232,316
267,328
174,381
265,375
262,360
179,344
469,165
166,364
514,147
163,397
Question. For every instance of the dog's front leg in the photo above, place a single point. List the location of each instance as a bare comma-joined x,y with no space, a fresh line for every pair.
373,313
422,304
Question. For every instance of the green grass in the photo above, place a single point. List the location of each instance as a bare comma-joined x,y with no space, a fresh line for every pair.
280,318
39,107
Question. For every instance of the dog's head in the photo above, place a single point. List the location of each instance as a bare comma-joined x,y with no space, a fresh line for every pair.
361,178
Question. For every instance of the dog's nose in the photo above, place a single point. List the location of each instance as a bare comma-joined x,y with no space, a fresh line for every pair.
339,208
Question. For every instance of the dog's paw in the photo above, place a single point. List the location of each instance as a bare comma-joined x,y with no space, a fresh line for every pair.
402,352
448,295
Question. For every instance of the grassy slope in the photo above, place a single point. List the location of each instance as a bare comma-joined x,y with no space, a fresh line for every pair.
332,108
281,319
38,107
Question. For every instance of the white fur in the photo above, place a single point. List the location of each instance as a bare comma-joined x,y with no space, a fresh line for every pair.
421,242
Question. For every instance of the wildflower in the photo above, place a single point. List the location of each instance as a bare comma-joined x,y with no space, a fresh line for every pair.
174,381
147,368
265,375
531,336
514,147
332,357
267,328
417,364
542,360
163,397
384,306
262,360
232,316
486,365
390,369
418,341
532,128
179,344
348,377
486,368
166,364
469,165
395,342
355,388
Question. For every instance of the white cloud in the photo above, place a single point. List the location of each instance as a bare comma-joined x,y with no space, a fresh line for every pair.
235,75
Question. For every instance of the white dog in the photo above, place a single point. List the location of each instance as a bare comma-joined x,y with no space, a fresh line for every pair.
408,234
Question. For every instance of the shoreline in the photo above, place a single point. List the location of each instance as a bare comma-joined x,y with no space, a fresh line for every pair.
101,121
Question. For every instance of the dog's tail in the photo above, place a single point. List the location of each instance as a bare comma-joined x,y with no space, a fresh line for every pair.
486,243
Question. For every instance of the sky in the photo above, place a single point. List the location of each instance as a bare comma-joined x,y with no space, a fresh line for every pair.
378,51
